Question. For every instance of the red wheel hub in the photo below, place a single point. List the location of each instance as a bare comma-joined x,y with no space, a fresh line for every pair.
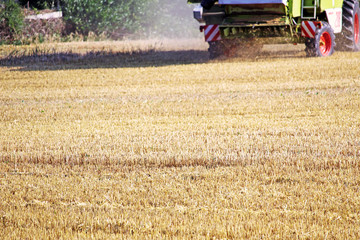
325,43
356,28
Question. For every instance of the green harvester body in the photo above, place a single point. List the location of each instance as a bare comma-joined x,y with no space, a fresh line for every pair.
281,21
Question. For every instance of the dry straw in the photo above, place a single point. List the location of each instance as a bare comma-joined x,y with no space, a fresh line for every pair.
238,149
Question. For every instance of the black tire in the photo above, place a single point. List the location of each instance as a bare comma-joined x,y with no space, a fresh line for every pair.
323,44
349,39
234,48
218,49
207,4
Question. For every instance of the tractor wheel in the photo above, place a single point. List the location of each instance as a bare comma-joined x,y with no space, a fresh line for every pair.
350,36
218,49
323,44
234,48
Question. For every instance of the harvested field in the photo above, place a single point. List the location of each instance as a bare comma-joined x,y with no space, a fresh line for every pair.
152,140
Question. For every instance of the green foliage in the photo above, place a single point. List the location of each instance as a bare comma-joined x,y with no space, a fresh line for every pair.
38,4
12,20
119,18
103,16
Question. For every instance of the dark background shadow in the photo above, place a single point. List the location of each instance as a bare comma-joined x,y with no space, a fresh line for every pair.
93,60
151,58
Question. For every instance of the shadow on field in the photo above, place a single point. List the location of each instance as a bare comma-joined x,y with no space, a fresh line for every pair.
93,60
100,59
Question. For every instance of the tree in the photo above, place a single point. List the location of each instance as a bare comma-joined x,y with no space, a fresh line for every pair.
39,4
12,20
154,18
103,16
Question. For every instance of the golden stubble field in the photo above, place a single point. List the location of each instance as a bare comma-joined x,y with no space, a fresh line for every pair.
149,140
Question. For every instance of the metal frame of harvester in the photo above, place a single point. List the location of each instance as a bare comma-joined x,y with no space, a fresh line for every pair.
237,25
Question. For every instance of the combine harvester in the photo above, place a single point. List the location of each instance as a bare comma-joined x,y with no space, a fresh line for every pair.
232,26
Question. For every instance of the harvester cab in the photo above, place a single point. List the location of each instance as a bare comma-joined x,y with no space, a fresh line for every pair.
236,26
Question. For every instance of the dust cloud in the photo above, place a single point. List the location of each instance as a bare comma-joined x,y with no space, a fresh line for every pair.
171,22
172,19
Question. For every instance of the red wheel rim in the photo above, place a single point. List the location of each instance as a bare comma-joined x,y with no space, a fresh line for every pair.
325,43
356,28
